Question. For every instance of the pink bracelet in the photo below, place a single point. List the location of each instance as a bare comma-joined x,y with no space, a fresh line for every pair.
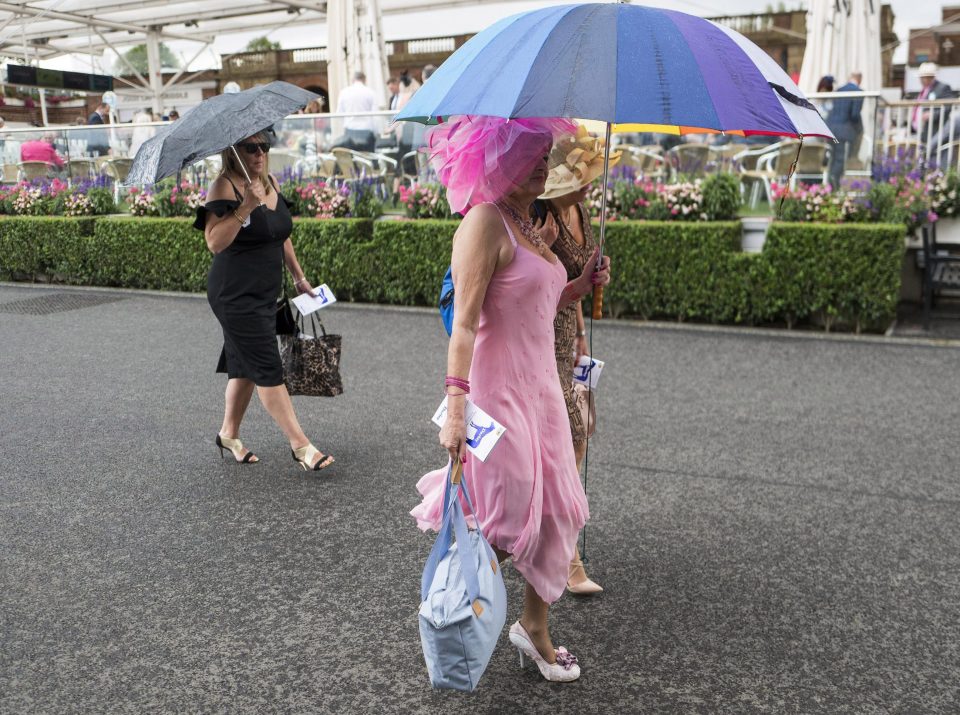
453,381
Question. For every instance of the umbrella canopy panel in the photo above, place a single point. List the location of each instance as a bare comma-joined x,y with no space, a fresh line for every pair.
662,69
212,126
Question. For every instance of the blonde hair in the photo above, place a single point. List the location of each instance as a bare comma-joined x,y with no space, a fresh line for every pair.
228,162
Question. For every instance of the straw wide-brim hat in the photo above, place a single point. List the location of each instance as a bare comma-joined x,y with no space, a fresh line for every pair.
575,162
927,69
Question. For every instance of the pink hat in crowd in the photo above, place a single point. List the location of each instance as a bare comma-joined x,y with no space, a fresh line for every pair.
480,159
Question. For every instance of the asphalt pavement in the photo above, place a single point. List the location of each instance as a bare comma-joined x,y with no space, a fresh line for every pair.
774,520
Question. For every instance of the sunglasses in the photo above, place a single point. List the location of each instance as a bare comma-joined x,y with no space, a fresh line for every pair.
251,147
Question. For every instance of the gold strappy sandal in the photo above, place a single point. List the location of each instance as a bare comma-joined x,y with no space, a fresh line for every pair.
305,456
236,448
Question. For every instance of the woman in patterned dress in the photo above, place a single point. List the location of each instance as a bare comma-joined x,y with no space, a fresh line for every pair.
576,163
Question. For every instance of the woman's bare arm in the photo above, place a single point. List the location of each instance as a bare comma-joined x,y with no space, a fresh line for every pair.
477,252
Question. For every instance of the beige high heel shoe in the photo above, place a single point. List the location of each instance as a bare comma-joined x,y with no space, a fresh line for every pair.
586,587
236,448
305,456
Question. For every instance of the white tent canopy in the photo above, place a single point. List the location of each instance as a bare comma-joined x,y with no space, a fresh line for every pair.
32,31
35,30
842,37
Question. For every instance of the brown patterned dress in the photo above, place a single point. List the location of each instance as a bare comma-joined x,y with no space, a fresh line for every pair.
574,258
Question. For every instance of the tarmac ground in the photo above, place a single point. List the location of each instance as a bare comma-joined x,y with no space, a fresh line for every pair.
774,520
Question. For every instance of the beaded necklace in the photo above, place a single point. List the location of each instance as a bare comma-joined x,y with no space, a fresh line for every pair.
526,227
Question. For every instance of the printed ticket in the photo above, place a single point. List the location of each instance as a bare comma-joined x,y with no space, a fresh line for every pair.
483,432
321,298
587,371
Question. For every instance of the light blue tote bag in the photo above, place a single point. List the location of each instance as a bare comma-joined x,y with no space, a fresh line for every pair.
464,602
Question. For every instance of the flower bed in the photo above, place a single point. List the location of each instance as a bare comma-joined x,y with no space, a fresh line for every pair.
54,197
900,192
630,196
167,200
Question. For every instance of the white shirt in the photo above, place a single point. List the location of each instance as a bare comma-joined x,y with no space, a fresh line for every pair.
358,97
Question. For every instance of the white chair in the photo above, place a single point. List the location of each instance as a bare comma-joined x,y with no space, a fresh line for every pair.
761,167
117,169
82,168
755,173
646,161
282,160
352,165
30,170
688,160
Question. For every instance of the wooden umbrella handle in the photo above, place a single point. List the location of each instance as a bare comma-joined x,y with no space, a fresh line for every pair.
597,302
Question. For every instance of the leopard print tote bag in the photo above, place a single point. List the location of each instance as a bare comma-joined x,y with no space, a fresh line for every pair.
311,362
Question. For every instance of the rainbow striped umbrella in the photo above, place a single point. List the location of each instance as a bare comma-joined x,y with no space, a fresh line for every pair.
640,68
658,70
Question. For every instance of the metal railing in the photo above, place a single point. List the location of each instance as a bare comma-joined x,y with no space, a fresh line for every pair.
925,133
305,146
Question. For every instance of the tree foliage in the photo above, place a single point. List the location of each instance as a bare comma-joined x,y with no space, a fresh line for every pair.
137,57
262,44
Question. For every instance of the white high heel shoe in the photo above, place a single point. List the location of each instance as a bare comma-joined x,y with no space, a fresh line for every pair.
564,670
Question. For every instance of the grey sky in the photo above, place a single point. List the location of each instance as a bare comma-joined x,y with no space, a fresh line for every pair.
909,14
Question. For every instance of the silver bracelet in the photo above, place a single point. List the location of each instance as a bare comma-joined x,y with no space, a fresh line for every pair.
300,280
581,333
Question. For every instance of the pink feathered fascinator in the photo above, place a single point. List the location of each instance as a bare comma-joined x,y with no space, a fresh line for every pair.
482,159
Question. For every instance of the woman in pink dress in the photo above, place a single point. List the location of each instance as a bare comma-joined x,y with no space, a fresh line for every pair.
508,288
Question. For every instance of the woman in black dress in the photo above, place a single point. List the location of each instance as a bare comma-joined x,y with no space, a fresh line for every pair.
247,227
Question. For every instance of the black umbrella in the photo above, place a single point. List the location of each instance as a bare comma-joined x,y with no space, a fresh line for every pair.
212,126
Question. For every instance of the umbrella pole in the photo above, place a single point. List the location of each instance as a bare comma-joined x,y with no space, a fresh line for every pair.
595,314
243,168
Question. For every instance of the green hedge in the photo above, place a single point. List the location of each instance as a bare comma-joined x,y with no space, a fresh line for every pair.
156,253
680,271
338,252
677,270
849,272
828,272
44,248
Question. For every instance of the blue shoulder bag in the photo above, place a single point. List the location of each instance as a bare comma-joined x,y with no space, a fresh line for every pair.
446,301
464,601
446,287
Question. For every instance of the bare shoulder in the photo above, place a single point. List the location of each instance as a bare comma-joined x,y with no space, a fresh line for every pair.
221,189
481,227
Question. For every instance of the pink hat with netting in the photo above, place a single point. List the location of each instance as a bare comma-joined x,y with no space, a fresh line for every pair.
481,159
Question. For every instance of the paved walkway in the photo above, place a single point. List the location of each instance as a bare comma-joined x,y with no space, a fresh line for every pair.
774,519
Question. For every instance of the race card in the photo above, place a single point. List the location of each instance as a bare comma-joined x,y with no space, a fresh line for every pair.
483,432
587,371
321,298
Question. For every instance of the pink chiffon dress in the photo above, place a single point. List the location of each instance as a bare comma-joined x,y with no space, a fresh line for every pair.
527,493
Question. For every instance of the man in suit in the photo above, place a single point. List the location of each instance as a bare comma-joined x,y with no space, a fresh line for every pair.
97,143
393,89
846,124
923,120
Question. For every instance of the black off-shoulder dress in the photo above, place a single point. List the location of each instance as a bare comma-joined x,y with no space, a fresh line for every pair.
242,287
